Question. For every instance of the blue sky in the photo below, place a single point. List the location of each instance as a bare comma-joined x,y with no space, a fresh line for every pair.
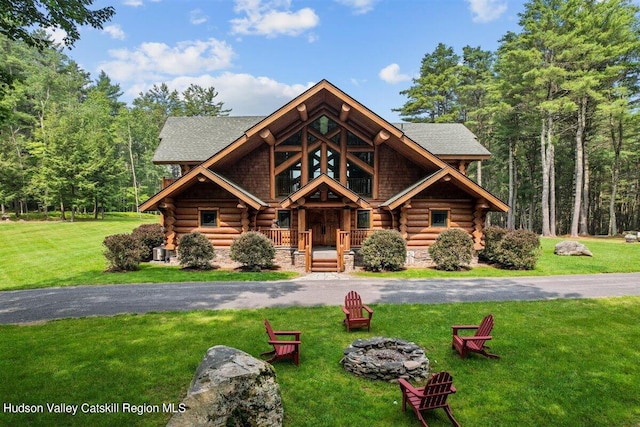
259,54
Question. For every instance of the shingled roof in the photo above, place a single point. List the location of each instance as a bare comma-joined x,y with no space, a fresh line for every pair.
195,139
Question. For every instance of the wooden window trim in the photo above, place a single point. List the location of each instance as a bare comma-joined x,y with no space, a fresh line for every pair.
206,209
432,211
290,218
369,211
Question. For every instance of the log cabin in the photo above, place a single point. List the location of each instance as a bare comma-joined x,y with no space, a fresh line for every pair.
322,172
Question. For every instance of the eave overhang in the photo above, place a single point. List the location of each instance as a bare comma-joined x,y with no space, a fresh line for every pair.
202,174
324,95
313,185
447,174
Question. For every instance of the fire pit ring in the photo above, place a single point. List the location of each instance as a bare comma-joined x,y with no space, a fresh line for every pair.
386,359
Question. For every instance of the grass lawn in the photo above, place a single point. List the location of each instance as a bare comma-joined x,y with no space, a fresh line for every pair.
55,253
610,255
563,363
38,254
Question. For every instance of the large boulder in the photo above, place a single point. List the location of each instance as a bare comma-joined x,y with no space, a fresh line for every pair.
571,248
231,387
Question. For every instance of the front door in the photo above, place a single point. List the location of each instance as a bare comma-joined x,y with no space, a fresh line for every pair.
323,224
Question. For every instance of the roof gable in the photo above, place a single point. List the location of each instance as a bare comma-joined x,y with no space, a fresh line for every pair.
450,174
327,99
199,173
331,184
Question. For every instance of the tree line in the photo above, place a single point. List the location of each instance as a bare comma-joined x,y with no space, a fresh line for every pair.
557,105
68,143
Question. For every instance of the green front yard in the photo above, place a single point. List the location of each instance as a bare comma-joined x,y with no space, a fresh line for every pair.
40,254
563,363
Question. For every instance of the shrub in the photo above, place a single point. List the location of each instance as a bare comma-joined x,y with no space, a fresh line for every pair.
518,250
123,252
492,238
149,236
453,250
253,250
384,250
195,251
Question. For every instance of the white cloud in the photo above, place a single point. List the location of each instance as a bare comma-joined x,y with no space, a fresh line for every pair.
158,59
272,18
114,31
133,3
197,17
487,10
359,6
391,74
244,94
56,35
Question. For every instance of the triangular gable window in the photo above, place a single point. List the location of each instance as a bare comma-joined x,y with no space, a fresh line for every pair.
324,125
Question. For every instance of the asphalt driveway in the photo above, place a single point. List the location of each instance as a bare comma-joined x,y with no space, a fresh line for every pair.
315,289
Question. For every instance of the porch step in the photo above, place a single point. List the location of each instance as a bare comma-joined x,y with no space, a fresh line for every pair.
324,265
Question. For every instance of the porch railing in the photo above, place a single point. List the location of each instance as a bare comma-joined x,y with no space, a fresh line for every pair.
284,237
305,244
342,244
358,236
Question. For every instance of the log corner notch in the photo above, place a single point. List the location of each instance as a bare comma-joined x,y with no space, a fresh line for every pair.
479,215
167,210
302,112
267,136
404,211
244,215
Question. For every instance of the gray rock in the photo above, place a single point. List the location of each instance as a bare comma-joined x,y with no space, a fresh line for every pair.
571,248
229,386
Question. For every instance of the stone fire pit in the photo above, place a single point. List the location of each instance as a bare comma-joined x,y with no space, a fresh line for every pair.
386,359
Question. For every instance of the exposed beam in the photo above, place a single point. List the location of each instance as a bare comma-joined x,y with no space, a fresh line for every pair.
344,112
302,111
267,136
381,137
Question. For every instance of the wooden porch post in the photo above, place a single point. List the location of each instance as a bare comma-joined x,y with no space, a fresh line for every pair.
346,224
302,226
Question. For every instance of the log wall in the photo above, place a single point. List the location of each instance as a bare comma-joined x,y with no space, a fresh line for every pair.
187,219
418,230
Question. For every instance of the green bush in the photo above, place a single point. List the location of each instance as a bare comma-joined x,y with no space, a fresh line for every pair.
123,252
195,251
253,250
492,238
453,250
518,250
384,250
149,236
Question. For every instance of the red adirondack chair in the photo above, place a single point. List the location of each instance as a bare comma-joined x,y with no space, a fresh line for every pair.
282,349
475,343
354,311
432,396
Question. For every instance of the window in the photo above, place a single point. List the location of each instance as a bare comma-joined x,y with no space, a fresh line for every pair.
284,219
289,180
358,180
439,218
209,218
363,219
